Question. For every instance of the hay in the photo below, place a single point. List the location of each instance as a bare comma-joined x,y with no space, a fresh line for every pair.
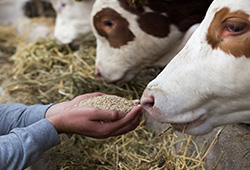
50,72
8,43
137,150
8,40
46,72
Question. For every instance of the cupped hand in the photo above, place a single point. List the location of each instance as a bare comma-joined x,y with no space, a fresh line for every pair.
87,120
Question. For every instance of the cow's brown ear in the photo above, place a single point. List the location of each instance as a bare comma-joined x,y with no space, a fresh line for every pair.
134,6
137,3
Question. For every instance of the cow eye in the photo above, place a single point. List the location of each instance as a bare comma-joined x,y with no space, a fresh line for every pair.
63,5
236,27
108,23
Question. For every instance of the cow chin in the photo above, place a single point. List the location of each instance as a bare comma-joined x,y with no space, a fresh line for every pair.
166,109
124,79
117,75
128,76
62,37
198,126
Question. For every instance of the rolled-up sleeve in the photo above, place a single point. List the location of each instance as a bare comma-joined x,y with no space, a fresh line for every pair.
25,135
22,146
19,115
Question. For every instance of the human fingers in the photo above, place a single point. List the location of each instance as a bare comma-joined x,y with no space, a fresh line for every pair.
128,127
136,101
110,127
131,115
106,130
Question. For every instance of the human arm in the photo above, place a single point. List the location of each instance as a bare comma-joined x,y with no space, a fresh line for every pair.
23,145
25,134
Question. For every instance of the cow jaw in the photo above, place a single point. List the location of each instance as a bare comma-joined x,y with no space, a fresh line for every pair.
207,84
113,66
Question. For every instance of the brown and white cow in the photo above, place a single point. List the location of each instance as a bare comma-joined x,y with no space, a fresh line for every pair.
132,36
207,84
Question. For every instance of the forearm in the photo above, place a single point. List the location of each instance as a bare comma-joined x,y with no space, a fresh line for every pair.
22,146
19,115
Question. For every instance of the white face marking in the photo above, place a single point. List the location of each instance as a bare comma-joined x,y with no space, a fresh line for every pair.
73,20
201,86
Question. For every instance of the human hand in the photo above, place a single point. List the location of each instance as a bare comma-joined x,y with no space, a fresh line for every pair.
86,120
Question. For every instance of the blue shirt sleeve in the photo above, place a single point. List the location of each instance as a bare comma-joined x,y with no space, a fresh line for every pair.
25,135
19,115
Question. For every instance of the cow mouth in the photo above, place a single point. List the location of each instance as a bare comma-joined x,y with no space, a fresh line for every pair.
188,125
126,78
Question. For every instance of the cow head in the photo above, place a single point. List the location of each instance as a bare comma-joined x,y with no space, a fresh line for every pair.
11,10
132,36
72,20
207,84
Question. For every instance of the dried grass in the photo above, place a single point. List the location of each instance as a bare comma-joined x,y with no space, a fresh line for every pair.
8,40
137,150
53,73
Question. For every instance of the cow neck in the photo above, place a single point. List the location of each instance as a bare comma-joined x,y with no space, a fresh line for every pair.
175,48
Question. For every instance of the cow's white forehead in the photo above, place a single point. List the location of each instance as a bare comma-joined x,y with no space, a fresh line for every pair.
233,5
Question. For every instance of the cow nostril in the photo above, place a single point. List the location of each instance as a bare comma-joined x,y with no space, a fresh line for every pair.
148,102
74,46
98,74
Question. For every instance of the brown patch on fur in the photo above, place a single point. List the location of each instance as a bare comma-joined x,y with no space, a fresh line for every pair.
118,34
135,8
148,24
181,13
219,37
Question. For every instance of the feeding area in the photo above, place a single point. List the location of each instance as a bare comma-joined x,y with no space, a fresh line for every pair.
45,71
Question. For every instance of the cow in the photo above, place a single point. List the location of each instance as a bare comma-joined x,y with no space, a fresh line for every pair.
20,14
133,36
207,84
10,10
73,21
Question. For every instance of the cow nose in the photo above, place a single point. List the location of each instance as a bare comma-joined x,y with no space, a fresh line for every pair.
147,101
98,74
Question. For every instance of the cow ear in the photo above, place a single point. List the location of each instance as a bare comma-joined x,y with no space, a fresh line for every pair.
136,3
134,6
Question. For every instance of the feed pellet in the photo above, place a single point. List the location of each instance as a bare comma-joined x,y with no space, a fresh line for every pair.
109,102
